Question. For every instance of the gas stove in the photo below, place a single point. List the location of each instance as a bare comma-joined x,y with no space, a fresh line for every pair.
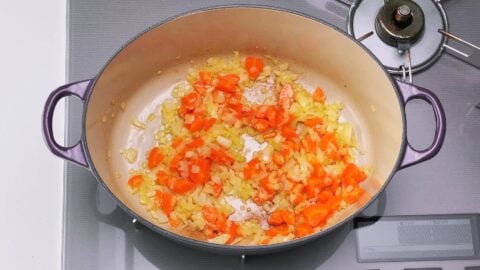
427,218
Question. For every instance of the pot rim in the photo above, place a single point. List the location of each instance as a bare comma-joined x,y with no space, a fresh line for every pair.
235,249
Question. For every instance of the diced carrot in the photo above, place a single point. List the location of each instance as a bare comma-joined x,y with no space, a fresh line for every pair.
354,195
175,161
165,201
275,218
353,172
199,87
236,96
251,168
318,171
182,186
177,141
199,170
233,231
182,111
210,214
219,156
277,230
300,218
285,151
324,196
222,222
287,148
209,123
227,83
157,200
313,187
260,124
299,197
293,146
303,229
217,189
349,182
270,135
289,132
135,181
195,143
318,95
297,188
267,185
236,108
283,117
334,203
313,121
154,158
326,140
288,217
261,111
168,203
334,186
266,240
254,66
310,144
191,100
246,111
315,214
320,131
271,114
162,178
333,154
205,77
197,124
278,159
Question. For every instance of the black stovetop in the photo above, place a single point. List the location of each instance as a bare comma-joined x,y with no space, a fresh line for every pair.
98,235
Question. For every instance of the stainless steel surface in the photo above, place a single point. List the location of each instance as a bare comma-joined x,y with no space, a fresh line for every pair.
457,38
424,51
473,58
98,235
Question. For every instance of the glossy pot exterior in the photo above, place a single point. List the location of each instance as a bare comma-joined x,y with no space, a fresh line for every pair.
130,85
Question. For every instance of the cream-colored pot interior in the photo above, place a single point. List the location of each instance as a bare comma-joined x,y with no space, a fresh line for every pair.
323,55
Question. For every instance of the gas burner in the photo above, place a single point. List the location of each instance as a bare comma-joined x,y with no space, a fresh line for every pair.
405,33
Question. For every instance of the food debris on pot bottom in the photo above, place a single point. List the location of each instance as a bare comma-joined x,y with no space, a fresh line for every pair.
197,179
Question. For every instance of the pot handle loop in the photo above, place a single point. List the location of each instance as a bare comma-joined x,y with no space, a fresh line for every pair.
75,153
411,155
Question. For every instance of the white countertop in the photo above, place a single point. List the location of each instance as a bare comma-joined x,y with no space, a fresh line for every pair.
32,53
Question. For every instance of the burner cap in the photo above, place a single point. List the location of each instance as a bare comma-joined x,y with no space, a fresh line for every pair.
400,22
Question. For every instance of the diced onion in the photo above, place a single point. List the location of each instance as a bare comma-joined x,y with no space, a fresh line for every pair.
224,141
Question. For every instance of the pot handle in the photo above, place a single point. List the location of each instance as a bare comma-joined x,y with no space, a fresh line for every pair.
411,155
74,153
